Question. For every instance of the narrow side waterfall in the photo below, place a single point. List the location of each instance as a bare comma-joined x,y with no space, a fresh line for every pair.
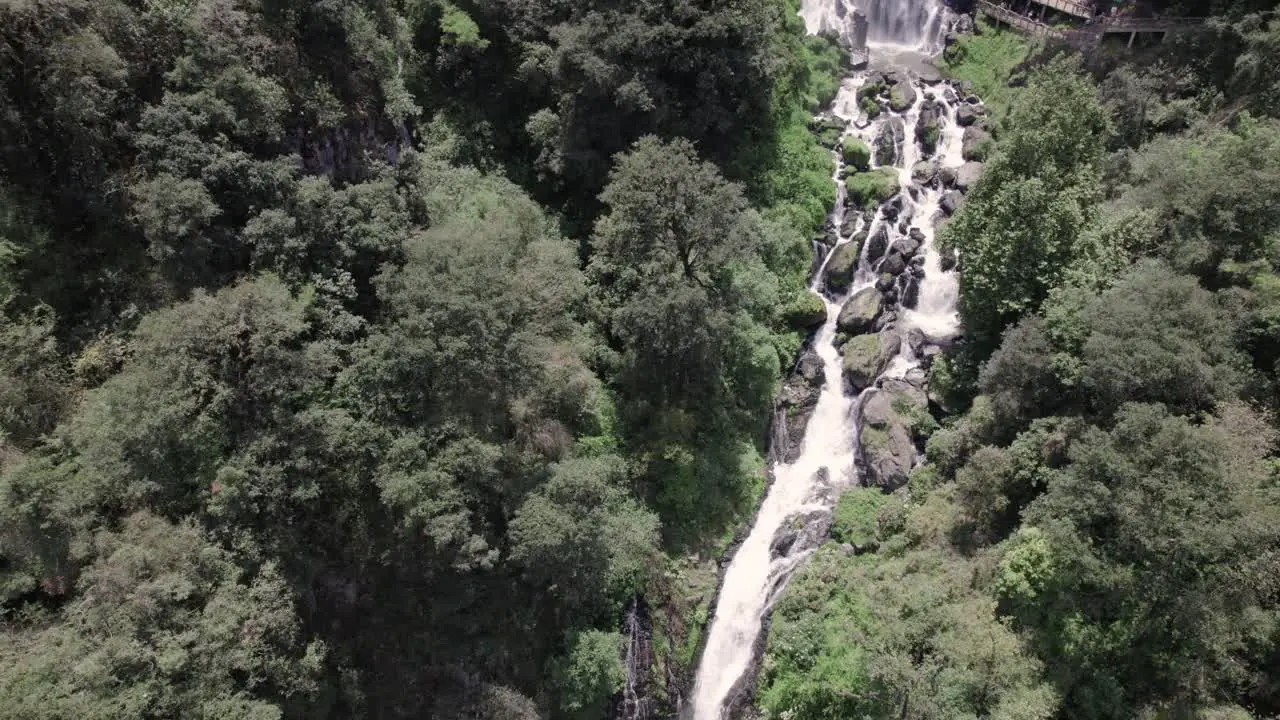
913,288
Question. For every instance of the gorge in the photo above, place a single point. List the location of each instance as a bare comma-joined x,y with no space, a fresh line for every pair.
890,299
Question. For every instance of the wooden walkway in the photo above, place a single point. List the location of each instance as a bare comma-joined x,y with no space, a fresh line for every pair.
1079,10
1088,34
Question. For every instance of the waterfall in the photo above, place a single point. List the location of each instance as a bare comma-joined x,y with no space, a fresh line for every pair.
906,24
795,515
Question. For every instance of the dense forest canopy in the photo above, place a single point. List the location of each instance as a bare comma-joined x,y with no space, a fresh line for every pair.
370,358
340,375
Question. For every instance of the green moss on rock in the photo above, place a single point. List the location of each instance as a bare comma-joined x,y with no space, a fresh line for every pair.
856,154
869,189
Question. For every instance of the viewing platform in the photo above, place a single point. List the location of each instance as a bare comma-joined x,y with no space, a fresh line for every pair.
1089,33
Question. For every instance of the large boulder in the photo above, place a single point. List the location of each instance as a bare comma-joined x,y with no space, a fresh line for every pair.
908,291
889,140
902,96
915,341
951,202
967,115
946,177
909,245
976,144
797,400
879,242
924,172
828,130
947,260
859,312
806,312
967,175
865,190
866,356
929,126
849,224
893,264
856,154
842,265
893,420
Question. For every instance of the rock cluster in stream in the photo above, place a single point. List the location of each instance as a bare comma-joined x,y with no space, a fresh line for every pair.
871,334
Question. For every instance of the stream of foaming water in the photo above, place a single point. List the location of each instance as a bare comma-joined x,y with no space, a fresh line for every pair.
758,573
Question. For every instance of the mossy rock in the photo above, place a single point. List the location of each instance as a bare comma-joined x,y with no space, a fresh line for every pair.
870,107
843,264
862,362
875,439
976,145
856,154
860,312
827,130
899,101
805,311
870,90
869,189
929,135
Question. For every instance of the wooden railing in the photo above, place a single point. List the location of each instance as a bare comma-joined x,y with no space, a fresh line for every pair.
1067,6
1089,33
1019,22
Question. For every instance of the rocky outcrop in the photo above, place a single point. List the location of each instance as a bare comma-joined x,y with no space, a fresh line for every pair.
967,175
802,531
891,423
976,144
796,402
866,356
967,115
879,243
859,312
951,202
902,96
889,140
842,265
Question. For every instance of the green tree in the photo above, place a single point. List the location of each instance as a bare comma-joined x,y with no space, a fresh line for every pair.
590,674
1145,532
165,625
694,368
581,539
1158,337
1018,230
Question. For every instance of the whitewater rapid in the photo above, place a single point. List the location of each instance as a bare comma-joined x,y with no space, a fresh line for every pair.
807,488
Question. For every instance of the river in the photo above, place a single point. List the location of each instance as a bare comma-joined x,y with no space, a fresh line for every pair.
900,33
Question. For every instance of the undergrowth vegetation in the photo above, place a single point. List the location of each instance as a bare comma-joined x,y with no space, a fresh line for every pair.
1094,531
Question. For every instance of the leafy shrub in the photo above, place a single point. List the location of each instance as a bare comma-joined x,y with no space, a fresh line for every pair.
856,514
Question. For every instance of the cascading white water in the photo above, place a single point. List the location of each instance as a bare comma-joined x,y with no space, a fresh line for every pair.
751,582
904,24
826,461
